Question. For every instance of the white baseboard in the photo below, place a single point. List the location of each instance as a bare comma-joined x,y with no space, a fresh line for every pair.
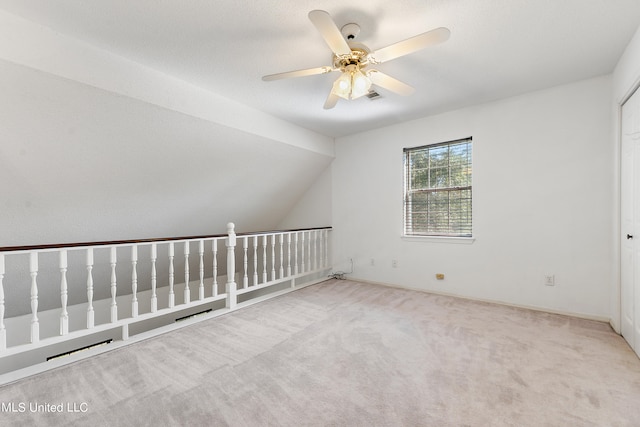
491,301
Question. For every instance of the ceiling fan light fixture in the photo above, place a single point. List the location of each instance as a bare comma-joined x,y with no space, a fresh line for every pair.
352,84
342,86
360,84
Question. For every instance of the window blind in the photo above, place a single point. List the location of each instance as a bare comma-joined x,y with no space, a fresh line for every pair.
438,188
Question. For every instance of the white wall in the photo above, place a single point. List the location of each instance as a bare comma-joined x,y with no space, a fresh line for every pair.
97,147
314,208
541,202
81,164
626,78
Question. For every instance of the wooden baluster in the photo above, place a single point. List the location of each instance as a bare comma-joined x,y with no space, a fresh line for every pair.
245,247
201,287
309,254
172,297
315,250
90,313
231,267
264,259
64,314
187,291
273,257
255,260
321,249
317,247
295,254
302,244
288,254
3,331
321,244
154,284
214,245
281,269
134,281
113,259
326,248
33,270
309,258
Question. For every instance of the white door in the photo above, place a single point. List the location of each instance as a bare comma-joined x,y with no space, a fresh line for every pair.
630,221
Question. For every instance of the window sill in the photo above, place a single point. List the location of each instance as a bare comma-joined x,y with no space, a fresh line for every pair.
440,239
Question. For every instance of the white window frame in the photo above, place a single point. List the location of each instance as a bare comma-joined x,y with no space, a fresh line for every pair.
412,234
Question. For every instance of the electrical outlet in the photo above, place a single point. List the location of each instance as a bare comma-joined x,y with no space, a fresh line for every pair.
549,280
394,263
439,276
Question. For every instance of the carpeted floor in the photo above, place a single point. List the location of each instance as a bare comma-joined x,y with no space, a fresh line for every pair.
343,353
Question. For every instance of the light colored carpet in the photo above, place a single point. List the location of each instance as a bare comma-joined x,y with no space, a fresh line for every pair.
343,353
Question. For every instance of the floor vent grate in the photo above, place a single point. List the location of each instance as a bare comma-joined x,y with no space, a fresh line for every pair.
78,350
180,319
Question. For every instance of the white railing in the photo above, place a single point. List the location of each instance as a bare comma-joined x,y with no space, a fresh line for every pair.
115,285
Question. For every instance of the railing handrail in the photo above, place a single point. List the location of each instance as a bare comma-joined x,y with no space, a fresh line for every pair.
293,230
149,240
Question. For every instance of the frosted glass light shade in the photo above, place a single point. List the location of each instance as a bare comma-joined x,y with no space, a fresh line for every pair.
342,86
352,84
360,84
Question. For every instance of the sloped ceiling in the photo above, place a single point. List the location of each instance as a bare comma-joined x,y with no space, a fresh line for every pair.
82,164
498,48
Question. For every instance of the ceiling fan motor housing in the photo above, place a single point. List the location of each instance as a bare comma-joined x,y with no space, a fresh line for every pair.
359,56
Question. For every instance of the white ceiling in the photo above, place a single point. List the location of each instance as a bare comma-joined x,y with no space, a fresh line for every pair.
498,48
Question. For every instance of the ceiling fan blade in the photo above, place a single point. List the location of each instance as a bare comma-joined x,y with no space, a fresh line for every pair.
410,45
331,101
387,82
330,32
298,73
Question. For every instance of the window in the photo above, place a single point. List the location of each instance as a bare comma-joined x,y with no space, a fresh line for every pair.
437,189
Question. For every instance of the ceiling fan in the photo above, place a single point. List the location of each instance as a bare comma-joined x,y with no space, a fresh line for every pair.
352,59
